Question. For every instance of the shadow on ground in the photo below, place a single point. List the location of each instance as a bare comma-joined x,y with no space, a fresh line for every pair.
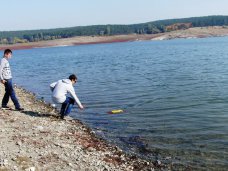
38,114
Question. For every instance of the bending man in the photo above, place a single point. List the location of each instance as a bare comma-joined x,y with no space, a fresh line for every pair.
60,89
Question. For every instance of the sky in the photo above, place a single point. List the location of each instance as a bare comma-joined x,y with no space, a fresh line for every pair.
44,14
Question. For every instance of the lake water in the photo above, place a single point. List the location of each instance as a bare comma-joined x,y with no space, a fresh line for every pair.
174,94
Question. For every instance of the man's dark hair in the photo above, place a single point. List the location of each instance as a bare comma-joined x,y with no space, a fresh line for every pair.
73,77
7,51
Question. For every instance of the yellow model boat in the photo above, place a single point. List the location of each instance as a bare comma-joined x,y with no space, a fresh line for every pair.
116,111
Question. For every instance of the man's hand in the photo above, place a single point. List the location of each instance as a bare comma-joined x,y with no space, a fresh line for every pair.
81,107
3,81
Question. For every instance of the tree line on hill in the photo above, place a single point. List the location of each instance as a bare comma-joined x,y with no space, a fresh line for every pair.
12,37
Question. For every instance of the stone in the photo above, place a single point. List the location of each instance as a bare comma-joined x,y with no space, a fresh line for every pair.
168,158
14,159
30,169
158,162
19,143
15,168
39,128
3,162
53,105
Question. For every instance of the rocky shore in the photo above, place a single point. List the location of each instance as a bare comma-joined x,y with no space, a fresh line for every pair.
36,139
195,32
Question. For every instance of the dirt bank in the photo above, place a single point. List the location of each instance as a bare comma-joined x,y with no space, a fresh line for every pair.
197,32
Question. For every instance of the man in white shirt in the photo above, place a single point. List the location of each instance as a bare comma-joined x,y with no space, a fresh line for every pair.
6,79
60,89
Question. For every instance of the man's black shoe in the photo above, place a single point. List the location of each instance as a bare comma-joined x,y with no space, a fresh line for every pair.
19,109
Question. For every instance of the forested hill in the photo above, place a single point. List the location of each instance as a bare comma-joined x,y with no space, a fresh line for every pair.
11,37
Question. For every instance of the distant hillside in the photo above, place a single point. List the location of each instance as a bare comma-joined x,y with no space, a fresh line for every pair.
12,37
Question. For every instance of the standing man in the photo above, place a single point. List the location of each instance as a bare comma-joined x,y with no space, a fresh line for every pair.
60,89
6,79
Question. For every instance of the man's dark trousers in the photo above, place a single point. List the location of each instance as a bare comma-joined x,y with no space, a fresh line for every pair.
9,92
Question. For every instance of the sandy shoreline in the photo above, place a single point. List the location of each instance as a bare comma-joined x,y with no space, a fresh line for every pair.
196,32
36,139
